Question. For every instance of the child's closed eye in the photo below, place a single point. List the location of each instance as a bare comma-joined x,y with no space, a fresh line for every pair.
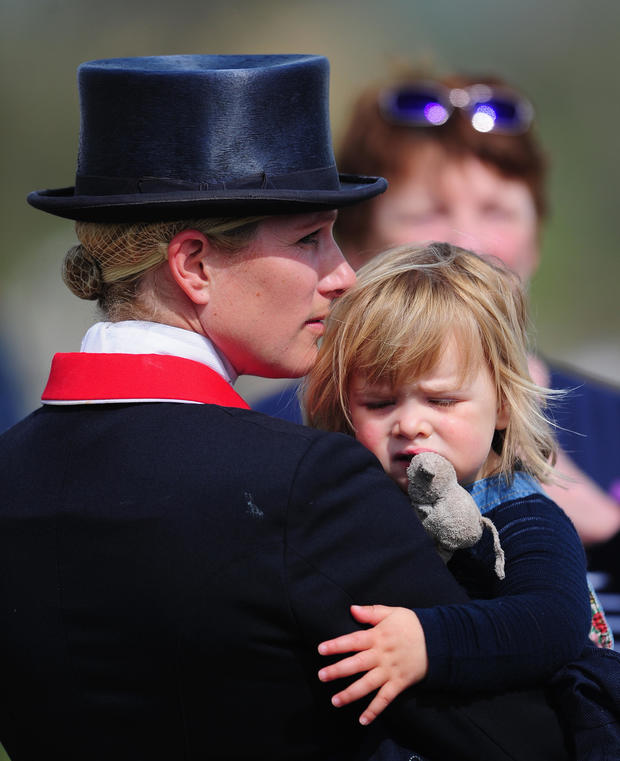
378,404
443,402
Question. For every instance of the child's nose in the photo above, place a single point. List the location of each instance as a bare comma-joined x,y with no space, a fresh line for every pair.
412,424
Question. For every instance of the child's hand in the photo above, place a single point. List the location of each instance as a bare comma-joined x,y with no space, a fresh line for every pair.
392,653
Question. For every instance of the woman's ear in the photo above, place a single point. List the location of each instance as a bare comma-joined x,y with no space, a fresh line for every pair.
186,262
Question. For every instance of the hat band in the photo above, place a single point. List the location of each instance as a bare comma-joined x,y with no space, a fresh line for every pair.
324,178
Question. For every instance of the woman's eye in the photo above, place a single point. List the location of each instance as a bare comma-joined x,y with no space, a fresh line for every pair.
310,239
421,217
498,212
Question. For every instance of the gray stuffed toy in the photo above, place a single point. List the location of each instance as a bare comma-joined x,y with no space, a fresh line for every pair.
447,511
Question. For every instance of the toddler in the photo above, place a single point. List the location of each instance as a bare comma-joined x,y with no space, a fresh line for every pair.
428,352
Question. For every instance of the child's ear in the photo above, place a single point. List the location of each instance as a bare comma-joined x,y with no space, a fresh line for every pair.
503,415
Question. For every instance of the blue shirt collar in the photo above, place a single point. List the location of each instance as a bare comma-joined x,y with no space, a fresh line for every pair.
490,492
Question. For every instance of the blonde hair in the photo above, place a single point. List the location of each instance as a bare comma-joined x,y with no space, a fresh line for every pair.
392,325
112,259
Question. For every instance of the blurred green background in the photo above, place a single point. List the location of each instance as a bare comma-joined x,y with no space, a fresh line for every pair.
562,53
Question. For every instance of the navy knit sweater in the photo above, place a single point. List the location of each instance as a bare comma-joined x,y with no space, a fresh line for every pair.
546,612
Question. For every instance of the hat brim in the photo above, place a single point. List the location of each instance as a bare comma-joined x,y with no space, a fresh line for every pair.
149,207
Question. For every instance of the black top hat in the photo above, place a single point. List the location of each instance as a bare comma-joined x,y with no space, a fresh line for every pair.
174,137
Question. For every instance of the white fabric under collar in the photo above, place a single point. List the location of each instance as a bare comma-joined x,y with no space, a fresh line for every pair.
142,337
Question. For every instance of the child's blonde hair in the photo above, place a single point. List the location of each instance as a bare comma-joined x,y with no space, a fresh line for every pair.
391,328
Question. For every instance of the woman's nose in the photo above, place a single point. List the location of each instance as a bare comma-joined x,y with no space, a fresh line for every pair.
339,276
465,230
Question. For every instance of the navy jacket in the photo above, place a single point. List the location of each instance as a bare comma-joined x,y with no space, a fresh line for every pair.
167,571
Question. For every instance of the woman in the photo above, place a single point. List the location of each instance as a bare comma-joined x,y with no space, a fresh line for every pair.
465,167
169,559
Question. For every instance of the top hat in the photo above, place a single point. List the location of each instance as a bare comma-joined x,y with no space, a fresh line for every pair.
174,137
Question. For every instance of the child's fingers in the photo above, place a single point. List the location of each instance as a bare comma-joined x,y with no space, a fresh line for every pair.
347,643
358,640
348,666
379,703
359,689
371,614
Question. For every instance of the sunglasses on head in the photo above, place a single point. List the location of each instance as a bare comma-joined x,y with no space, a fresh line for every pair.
430,104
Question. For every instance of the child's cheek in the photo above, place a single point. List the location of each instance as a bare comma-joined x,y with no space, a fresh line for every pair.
374,437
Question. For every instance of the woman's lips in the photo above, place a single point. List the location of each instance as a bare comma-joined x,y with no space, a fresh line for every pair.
316,325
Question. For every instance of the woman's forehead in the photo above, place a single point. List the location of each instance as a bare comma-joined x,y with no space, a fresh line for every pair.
300,221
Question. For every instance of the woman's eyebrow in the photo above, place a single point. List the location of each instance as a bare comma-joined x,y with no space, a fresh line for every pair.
317,218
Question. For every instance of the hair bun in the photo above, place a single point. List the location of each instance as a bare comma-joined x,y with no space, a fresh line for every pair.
82,274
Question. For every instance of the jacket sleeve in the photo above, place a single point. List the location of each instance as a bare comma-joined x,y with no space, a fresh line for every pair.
352,537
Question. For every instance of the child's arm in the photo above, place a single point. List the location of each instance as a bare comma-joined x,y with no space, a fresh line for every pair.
392,653
543,609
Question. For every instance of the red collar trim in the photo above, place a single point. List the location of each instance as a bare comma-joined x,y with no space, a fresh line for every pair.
81,377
